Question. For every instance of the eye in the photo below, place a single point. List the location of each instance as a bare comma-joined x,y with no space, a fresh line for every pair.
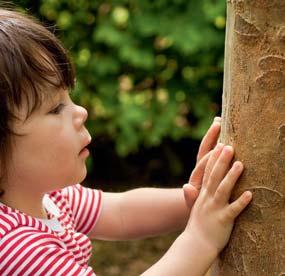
57,109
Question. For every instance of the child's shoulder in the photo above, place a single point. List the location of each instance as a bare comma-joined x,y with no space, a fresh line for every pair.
63,200
19,230
66,193
12,221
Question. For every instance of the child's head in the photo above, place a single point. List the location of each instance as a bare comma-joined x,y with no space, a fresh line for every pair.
33,65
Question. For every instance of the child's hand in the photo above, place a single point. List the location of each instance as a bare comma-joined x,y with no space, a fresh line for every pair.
211,219
212,216
209,141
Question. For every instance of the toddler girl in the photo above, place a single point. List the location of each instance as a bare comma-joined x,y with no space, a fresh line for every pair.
46,218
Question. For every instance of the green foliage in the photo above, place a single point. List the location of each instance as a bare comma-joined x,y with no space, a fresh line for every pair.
146,70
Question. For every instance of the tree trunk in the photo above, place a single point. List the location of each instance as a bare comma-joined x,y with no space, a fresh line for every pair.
254,123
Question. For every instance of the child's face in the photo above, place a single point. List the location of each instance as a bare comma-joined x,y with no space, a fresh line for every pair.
49,155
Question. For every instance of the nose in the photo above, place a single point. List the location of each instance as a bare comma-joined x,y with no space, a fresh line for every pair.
80,117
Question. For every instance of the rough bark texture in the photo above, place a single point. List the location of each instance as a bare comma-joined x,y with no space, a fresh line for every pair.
254,123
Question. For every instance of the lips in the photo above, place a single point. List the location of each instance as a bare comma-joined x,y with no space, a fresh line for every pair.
84,149
87,142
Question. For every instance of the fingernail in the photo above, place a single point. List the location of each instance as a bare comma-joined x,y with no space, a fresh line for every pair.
248,195
238,165
217,120
228,148
185,185
219,146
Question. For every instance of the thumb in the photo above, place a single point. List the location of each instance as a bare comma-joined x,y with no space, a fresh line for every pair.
198,172
190,194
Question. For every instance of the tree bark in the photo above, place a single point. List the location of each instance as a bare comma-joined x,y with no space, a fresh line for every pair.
253,117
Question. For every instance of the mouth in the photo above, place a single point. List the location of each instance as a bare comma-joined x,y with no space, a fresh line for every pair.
84,150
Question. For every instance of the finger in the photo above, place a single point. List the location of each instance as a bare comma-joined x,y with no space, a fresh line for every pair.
236,207
210,139
197,174
220,169
212,161
190,194
224,190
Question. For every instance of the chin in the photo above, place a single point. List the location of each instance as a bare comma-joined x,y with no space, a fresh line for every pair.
74,177
82,175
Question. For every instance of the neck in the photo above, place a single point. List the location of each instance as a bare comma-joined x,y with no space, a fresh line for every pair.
30,204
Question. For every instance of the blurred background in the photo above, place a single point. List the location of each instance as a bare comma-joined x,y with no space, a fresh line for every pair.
150,74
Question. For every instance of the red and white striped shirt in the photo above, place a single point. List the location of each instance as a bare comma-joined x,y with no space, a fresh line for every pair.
56,246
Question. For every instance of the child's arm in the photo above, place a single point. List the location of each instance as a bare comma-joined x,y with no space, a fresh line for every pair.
150,211
211,221
141,213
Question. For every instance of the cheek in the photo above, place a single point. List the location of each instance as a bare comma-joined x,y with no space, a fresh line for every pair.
48,149
61,149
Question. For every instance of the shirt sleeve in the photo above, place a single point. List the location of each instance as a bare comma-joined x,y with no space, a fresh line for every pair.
27,252
85,204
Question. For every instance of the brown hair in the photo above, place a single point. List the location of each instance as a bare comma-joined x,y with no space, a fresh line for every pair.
31,58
